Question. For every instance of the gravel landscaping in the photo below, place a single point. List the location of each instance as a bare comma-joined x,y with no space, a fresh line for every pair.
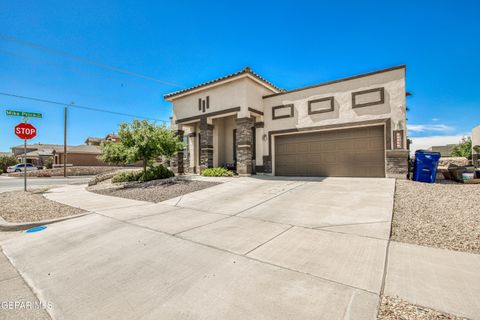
398,309
20,206
153,191
443,215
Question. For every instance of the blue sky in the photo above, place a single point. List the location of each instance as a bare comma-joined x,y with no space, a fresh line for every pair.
290,43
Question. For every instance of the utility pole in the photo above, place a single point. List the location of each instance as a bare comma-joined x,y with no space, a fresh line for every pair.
65,142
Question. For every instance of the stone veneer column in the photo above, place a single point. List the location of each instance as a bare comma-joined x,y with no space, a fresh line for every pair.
206,145
177,161
397,164
245,141
267,164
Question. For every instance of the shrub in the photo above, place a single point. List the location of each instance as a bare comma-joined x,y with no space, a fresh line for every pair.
6,161
1,171
463,148
217,172
48,163
126,176
152,173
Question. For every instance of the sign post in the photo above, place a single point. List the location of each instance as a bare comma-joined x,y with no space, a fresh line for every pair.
26,132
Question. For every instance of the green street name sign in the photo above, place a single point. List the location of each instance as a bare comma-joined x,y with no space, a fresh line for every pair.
24,114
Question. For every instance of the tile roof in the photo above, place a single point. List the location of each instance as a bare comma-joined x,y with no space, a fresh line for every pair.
245,70
45,149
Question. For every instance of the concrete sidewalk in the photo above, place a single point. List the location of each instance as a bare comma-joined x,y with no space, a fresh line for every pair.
444,280
77,196
14,289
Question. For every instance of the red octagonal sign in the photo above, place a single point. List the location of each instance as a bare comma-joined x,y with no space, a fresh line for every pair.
25,131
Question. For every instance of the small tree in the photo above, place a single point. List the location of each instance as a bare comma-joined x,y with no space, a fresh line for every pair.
6,161
463,148
141,141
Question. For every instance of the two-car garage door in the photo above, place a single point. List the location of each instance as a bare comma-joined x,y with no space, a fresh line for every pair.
358,152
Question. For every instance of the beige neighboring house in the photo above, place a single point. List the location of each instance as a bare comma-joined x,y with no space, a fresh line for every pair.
94,141
353,127
445,151
476,146
38,154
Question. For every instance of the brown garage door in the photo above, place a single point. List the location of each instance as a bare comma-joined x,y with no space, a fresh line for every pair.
358,152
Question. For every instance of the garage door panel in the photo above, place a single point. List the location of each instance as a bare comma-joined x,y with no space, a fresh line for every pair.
351,152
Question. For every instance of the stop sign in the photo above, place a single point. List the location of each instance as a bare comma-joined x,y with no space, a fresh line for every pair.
25,131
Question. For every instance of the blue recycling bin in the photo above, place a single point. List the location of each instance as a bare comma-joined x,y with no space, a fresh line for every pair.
425,166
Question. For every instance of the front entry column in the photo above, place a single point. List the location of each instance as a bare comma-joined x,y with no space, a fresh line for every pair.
244,145
177,161
206,144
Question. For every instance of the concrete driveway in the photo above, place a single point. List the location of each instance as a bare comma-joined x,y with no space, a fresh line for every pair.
250,248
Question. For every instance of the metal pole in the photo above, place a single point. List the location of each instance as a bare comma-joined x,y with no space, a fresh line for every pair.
65,142
25,165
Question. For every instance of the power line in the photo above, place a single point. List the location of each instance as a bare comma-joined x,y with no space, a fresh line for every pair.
45,62
83,59
70,105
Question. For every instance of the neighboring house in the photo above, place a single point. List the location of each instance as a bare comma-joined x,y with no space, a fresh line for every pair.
93,141
38,154
6,154
354,126
445,151
112,137
476,146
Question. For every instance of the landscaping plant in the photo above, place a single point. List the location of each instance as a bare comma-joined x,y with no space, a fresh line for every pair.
152,173
141,141
7,161
217,172
463,149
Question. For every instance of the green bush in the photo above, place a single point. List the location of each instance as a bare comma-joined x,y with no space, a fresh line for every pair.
126,176
217,172
152,173
48,163
6,161
1,171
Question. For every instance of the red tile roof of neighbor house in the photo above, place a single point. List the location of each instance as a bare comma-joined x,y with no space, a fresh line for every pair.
245,70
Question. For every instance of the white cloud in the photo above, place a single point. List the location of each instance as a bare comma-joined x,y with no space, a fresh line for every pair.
429,127
427,142
435,119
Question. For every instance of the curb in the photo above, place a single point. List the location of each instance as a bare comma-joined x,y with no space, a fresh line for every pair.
19,226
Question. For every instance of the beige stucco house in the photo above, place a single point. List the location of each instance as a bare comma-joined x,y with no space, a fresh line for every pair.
354,126
476,146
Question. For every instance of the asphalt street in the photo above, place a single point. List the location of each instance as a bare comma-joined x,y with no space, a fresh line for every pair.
14,183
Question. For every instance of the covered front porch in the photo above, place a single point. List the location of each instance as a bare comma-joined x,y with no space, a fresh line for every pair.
225,140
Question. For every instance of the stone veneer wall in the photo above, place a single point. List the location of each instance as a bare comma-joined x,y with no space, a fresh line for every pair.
71,171
267,164
206,145
245,141
397,164
476,159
